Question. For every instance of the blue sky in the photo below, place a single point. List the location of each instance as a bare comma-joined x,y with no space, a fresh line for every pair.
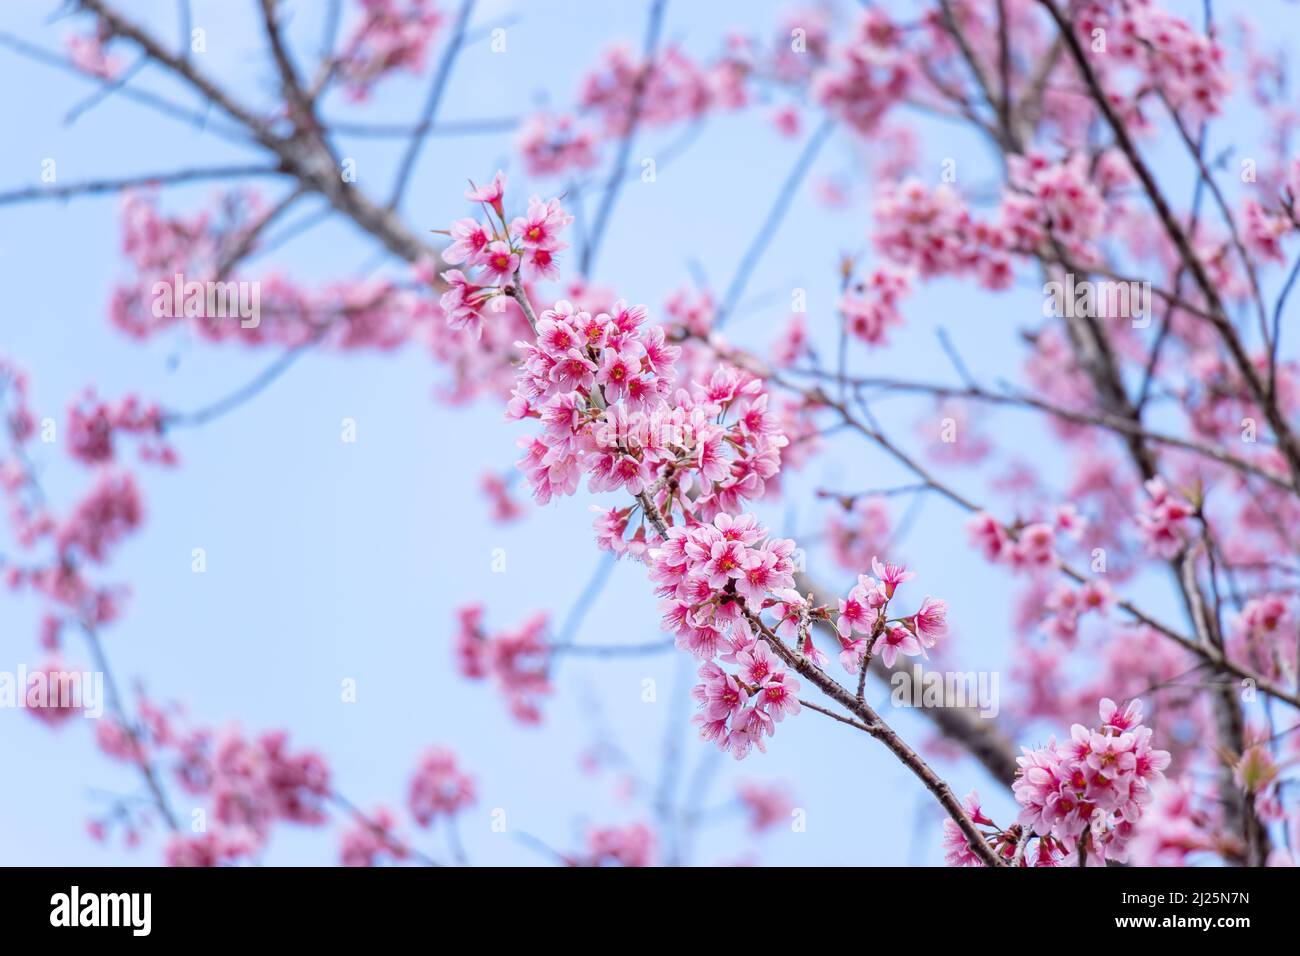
329,561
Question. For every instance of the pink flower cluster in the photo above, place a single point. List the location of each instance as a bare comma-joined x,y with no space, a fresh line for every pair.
1164,520
1067,603
190,251
252,783
631,845
439,787
1056,200
554,145
715,578
576,352
504,507
866,76
768,806
676,89
857,533
1031,545
737,711
392,35
870,308
45,698
370,840
498,252
213,848
92,424
1093,786
110,512
1262,231
516,660
1264,634
932,231
865,611
603,388
792,344
88,54
1188,67
709,574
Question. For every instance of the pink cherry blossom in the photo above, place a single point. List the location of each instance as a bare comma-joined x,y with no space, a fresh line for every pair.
438,787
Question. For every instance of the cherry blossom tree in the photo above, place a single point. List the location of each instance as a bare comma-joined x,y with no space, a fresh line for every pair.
1146,528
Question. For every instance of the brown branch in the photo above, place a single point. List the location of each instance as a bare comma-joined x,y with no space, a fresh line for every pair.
874,725
93,187
819,397
1125,426
979,736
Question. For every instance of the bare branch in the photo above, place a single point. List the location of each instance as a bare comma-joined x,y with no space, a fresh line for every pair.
93,187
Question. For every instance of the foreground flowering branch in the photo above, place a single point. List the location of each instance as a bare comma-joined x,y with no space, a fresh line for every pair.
1174,415
599,385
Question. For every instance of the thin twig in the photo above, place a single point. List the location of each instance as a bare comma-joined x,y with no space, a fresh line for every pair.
614,185
766,231
430,111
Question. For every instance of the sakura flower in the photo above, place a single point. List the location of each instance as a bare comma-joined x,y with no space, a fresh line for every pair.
491,194
1035,547
461,303
540,264
1163,520
931,622
1068,521
988,535
618,368
499,261
515,660
957,849
470,239
890,575
1096,596
856,613
758,664
852,653
720,695
895,640
779,696
541,227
